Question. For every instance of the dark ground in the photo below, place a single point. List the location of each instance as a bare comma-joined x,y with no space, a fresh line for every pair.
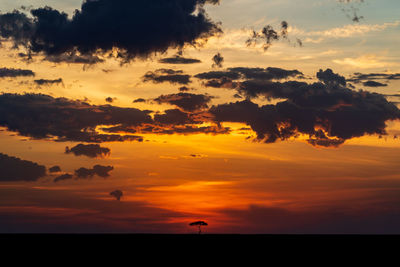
207,249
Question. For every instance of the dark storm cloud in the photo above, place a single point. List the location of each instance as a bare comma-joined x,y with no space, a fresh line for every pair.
16,26
136,29
13,73
167,75
13,169
42,82
179,60
99,170
329,113
55,169
91,150
42,117
185,101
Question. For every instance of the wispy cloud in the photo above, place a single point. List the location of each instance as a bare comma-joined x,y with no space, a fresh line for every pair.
350,30
364,62
235,38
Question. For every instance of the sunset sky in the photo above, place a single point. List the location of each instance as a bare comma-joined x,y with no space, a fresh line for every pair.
255,116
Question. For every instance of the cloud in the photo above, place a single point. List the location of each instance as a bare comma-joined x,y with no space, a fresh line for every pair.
169,125
13,169
167,75
63,177
73,58
91,150
13,73
60,119
234,38
44,117
269,73
110,99
241,73
174,117
117,194
84,173
99,170
346,31
371,79
185,89
132,28
197,156
374,84
351,8
325,142
353,30
46,82
328,77
139,100
185,101
218,59
364,62
329,113
358,77
233,75
55,169
179,60
268,35
190,129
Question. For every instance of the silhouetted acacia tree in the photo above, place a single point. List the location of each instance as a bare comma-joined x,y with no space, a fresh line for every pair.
199,224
